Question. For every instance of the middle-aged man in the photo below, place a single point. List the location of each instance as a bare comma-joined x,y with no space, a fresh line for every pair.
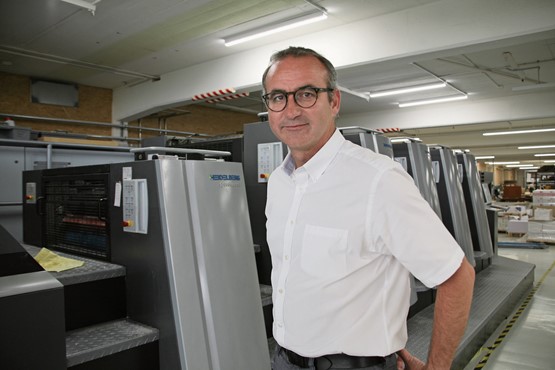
346,228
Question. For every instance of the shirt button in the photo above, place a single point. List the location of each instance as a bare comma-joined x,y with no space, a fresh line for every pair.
291,222
286,257
280,291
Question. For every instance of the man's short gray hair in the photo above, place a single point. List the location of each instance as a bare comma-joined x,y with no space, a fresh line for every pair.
298,52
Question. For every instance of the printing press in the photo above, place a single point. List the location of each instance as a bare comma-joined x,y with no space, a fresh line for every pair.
181,230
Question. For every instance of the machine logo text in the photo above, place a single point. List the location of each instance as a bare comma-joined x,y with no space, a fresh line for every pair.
225,177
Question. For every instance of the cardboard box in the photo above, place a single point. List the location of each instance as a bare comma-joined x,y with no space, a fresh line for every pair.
517,210
543,214
502,221
517,226
543,197
541,231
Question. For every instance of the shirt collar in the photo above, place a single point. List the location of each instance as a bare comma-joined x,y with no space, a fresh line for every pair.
321,160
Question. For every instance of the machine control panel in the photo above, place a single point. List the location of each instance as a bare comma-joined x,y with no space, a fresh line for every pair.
135,206
270,156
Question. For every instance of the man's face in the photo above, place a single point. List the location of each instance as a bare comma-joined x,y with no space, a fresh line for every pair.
303,130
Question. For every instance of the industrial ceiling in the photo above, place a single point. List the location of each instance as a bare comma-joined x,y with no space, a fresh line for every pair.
125,42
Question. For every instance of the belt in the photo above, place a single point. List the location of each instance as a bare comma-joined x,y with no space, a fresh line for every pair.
335,361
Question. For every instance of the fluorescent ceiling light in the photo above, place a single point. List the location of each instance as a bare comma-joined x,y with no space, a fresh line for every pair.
535,87
405,90
518,165
432,101
485,157
544,155
536,147
90,6
276,27
362,95
514,162
549,161
531,169
518,132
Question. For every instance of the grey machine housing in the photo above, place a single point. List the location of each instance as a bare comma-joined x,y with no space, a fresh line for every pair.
181,229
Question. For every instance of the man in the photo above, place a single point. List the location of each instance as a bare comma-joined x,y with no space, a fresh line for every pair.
346,228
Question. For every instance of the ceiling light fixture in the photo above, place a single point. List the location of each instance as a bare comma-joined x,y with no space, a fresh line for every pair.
432,101
545,155
494,133
485,157
518,165
536,147
405,90
513,162
276,27
549,161
538,86
90,6
362,95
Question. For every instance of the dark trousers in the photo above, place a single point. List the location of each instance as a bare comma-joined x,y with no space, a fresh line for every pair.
281,362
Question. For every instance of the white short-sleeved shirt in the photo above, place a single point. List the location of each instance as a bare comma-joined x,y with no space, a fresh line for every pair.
345,231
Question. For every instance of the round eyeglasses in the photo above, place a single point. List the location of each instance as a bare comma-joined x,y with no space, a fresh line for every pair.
305,97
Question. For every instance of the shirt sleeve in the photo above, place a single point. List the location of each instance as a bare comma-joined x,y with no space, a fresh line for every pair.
404,225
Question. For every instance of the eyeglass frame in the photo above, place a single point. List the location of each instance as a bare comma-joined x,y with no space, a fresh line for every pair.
317,90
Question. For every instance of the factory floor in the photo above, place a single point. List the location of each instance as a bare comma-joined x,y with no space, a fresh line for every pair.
526,339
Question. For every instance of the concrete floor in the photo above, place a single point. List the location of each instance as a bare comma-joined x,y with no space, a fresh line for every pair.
529,343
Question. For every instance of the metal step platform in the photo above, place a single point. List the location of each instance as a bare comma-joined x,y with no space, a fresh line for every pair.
497,291
102,340
98,333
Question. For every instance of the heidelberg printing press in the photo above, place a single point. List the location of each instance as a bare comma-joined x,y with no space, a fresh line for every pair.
476,210
451,198
415,158
181,229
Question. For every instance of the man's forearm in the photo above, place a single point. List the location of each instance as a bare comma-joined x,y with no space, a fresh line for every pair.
452,307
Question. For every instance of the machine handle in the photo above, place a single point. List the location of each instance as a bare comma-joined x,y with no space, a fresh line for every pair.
40,206
100,217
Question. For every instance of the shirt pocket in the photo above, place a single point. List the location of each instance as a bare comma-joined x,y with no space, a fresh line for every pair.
324,251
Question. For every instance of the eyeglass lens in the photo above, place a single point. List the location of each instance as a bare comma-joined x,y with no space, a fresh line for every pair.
304,97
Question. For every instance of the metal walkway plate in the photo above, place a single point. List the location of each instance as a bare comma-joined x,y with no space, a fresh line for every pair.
497,291
92,270
93,342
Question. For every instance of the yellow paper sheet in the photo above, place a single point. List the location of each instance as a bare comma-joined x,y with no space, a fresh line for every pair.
52,262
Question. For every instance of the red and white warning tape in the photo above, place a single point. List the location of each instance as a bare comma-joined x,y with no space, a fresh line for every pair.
228,97
385,130
213,94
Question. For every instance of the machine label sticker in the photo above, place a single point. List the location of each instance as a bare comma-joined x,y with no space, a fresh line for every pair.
117,195
225,177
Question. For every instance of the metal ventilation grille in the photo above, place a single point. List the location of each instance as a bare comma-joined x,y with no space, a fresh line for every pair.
77,215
